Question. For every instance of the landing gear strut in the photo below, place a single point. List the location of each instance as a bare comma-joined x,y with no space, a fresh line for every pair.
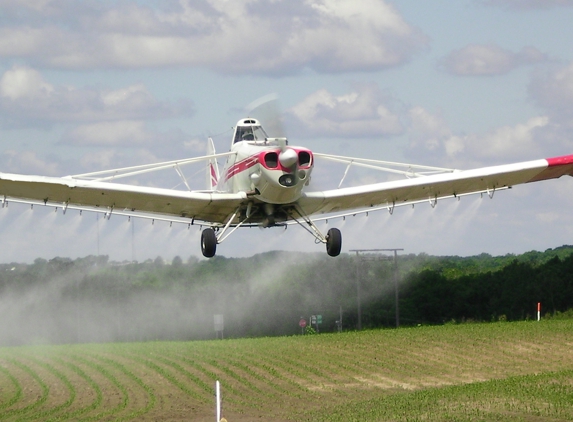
209,239
333,238
208,243
333,242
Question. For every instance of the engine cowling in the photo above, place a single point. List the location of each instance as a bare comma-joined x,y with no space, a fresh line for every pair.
282,174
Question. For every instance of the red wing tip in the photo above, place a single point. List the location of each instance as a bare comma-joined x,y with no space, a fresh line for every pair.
560,161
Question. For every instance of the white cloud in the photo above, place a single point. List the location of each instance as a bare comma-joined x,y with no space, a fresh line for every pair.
13,161
528,4
553,90
427,131
518,141
27,99
22,82
124,133
367,112
243,36
111,158
487,60
100,160
195,145
108,158
133,134
364,112
432,138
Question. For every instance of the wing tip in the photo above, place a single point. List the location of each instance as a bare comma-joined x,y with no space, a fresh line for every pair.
556,167
560,161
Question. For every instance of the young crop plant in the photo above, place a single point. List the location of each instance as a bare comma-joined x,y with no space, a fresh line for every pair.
462,372
109,376
31,408
64,379
17,386
98,399
118,370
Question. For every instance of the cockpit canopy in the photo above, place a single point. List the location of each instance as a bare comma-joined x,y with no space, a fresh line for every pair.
249,130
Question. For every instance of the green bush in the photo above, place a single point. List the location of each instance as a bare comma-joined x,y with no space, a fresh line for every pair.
568,314
309,330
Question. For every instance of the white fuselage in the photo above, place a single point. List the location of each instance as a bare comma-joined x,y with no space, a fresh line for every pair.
269,171
259,170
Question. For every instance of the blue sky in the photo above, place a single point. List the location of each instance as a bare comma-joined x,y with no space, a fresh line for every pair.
96,85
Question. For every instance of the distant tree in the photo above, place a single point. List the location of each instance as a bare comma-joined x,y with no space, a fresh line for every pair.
61,264
192,260
266,294
177,262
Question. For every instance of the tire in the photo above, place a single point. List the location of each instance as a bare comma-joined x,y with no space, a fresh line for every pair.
333,242
208,243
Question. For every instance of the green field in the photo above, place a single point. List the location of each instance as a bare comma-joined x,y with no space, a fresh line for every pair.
474,372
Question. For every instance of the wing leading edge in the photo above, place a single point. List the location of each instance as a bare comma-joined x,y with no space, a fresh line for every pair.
436,186
217,207
210,207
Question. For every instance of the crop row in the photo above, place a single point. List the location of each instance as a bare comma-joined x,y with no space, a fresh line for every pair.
540,397
287,376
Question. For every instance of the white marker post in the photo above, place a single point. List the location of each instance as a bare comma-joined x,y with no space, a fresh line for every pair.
538,311
218,400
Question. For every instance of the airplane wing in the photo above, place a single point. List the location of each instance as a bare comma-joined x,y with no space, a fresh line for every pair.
434,187
211,207
215,208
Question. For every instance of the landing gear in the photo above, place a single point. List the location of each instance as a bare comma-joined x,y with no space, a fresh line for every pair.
333,238
333,242
208,243
209,239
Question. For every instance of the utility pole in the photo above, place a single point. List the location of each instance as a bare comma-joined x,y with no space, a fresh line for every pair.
363,255
358,300
396,294
133,240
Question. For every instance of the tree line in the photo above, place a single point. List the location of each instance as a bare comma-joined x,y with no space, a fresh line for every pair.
92,299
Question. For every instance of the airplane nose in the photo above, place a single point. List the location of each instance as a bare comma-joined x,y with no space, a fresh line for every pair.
288,158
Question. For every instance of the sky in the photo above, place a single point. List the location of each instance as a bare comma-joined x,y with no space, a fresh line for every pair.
94,85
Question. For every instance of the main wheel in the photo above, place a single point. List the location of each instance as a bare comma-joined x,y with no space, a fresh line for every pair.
208,243
333,242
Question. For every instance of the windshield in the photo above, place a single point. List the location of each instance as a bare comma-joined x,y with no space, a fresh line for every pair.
250,133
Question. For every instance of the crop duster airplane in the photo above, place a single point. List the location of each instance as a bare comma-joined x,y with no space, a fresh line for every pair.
267,182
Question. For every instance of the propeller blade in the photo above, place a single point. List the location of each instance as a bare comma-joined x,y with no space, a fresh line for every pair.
266,109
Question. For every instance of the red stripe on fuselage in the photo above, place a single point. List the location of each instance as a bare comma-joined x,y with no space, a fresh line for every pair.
242,165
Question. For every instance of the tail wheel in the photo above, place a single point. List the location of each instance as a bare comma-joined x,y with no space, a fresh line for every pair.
208,243
333,242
